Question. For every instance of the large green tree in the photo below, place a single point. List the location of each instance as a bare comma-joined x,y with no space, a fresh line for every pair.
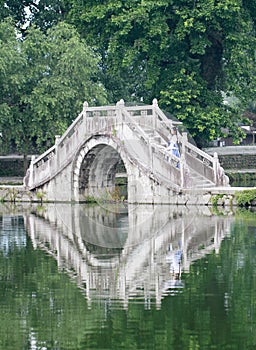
43,13
189,54
44,80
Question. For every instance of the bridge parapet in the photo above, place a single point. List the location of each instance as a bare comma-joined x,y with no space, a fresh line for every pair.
139,134
204,164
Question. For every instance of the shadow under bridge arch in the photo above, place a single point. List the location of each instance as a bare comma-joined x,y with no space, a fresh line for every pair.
100,171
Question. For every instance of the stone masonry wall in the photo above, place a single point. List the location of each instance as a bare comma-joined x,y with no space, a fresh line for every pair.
235,157
238,161
10,167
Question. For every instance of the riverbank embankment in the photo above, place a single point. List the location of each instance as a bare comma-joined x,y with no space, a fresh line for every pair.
238,162
216,196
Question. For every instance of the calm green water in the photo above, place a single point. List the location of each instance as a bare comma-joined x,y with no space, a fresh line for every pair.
145,277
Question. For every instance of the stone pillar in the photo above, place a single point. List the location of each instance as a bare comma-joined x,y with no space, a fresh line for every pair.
183,172
29,178
57,140
85,106
119,116
155,103
215,167
154,106
119,106
184,140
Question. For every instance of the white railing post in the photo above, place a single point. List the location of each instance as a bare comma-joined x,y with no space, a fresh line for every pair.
29,178
57,141
85,106
215,167
183,171
84,112
184,141
119,116
154,106
119,113
119,107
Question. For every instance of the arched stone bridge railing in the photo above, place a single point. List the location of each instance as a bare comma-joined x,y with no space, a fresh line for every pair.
84,162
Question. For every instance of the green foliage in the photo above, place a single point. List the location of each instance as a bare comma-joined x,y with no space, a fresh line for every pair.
44,79
90,199
116,195
190,55
40,195
48,310
12,194
43,13
242,179
184,53
245,198
215,199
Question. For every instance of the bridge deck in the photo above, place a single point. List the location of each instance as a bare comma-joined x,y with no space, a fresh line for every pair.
83,162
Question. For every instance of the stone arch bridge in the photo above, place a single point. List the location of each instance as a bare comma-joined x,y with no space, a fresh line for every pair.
86,161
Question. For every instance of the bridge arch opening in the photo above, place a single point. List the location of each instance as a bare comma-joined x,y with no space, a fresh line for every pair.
102,174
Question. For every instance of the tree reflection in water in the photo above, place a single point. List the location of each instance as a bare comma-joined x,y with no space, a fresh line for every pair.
127,252
132,295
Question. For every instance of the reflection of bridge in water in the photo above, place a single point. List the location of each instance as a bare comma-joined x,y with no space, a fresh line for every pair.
123,253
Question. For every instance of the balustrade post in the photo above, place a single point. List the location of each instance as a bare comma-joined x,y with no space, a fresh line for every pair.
215,167
155,103
184,140
119,114
85,106
57,142
119,106
30,175
154,107
182,171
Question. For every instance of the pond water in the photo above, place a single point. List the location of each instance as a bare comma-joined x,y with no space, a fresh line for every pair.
127,277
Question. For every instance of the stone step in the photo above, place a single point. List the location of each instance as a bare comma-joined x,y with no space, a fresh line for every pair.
199,181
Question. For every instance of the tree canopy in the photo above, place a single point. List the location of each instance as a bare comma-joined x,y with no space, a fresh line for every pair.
191,55
44,80
42,13
185,53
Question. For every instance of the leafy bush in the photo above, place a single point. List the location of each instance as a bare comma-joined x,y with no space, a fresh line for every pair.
245,198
